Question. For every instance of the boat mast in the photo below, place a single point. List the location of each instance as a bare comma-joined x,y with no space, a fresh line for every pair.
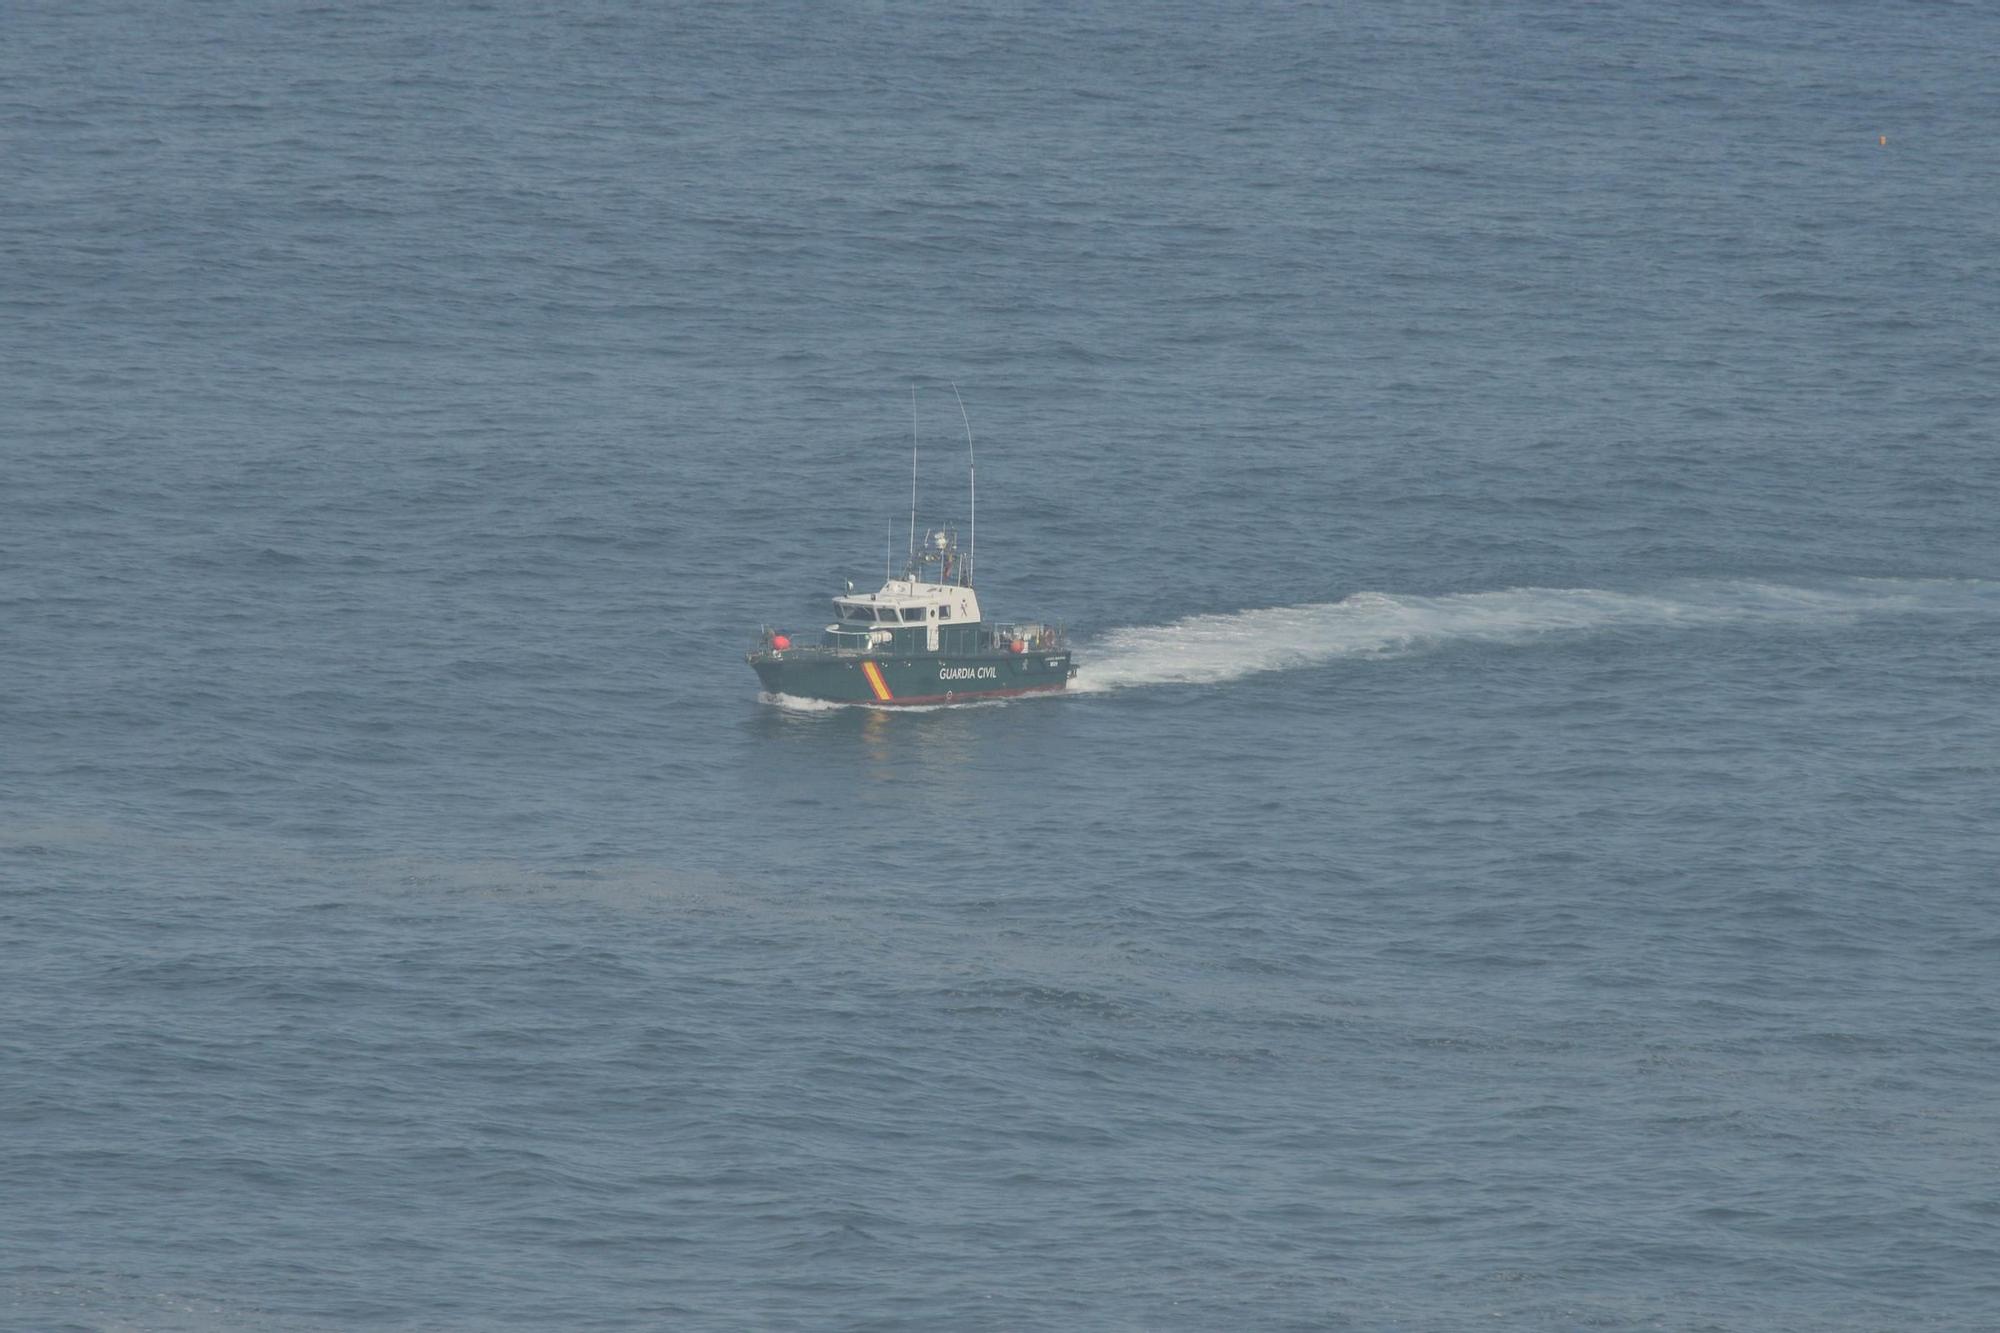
913,475
972,473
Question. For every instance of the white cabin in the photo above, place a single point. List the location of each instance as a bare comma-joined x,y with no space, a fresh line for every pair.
905,602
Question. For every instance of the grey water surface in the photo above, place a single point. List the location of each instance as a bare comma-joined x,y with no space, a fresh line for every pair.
1521,853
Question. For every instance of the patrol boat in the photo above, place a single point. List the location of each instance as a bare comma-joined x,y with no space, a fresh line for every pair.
920,640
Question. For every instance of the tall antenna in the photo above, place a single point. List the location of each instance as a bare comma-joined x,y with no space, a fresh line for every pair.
913,472
888,545
972,472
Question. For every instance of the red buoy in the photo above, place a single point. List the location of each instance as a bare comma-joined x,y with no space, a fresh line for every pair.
780,642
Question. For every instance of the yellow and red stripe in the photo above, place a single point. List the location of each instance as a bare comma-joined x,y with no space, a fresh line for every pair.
875,681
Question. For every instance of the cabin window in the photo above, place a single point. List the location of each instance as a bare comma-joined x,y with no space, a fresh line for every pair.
913,613
944,613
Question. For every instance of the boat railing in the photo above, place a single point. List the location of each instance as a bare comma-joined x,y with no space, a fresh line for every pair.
969,640
776,643
1031,637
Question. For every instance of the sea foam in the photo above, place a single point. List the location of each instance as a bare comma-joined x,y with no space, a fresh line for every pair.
1213,648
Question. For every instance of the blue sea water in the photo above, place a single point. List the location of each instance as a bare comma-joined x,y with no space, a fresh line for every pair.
1521,852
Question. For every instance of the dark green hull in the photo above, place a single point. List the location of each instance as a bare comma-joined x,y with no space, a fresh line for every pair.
886,680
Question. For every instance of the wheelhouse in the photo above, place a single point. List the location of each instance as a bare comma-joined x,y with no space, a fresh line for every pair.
930,609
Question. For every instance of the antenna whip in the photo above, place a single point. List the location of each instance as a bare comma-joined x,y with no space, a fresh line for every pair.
972,473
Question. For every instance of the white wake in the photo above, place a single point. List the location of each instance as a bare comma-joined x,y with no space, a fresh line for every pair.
1207,649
